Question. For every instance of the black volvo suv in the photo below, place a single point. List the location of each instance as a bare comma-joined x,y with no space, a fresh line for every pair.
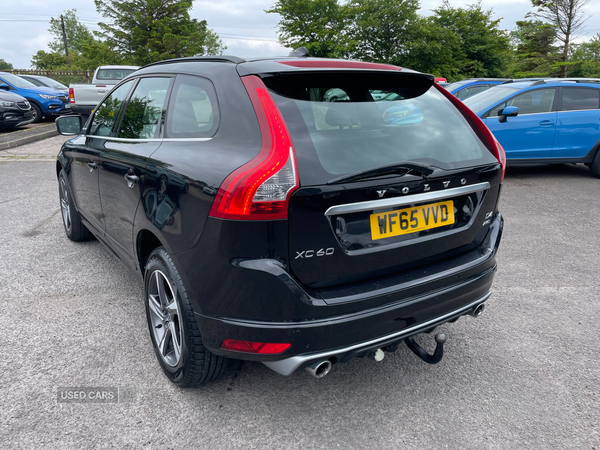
295,211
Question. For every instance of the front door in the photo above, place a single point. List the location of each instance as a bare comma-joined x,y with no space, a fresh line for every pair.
530,135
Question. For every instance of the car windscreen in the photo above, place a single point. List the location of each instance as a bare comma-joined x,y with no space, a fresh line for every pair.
113,74
55,84
374,120
17,81
486,99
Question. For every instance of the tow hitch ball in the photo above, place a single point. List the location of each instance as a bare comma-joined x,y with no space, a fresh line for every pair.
440,338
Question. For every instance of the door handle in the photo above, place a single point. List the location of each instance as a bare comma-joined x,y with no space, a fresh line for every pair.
132,180
546,123
92,166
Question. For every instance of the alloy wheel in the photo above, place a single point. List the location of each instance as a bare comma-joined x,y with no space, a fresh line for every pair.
64,205
165,319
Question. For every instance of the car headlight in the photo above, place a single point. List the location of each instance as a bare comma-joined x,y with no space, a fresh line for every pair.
48,97
7,104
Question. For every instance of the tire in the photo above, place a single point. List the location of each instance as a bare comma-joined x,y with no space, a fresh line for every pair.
595,165
74,227
37,111
173,328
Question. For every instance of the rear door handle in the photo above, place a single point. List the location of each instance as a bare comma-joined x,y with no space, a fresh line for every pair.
132,180
93,166
546,123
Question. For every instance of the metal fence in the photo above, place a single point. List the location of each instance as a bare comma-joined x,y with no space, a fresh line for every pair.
63,76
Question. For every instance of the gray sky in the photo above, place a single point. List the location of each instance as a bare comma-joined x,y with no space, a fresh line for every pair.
242,24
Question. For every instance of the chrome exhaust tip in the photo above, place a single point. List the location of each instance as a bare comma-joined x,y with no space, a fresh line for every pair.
478,310
320,368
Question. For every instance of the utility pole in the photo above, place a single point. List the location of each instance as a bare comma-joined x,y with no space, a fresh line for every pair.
62,21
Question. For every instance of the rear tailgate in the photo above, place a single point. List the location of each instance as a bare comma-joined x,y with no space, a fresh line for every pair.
340,124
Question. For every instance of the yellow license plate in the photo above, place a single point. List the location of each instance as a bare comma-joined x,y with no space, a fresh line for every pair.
409,220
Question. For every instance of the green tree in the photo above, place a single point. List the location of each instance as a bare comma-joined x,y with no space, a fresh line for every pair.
587,59
146,31
318,25
568,18
535,53
76,32
5,65
383,30
43,60
484,48
436,50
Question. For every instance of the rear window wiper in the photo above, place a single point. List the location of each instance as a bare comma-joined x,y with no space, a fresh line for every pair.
399,169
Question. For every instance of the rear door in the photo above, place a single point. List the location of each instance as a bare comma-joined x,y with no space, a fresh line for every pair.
344,230
578,127
124,159
530,135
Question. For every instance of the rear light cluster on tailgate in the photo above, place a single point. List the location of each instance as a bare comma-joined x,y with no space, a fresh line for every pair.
491,142
260,189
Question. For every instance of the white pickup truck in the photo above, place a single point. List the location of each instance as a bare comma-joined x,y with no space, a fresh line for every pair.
85,97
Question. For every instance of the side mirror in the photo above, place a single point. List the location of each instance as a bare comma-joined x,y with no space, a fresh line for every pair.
509,111
5,87
69,125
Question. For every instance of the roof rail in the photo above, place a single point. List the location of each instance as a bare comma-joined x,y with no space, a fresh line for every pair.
220,58
581,80
537,83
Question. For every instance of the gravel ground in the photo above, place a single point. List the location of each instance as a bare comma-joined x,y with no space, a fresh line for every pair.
523,376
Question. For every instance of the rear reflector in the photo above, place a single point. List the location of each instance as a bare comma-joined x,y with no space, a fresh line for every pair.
254,347
260,189
339,65
490,141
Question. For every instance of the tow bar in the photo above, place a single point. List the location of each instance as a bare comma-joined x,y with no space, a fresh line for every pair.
440,338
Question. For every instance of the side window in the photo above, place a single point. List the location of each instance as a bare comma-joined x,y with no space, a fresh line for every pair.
193,108
576,99
108,112
145,109
471,91
530,102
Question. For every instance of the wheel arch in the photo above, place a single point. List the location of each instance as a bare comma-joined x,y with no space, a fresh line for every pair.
146,242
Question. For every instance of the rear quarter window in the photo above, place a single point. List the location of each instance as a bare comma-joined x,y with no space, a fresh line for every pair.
362,129
193,108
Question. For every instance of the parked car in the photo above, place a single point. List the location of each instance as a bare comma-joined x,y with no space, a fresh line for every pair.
45,101
40,80
85,97
14,110
545,121
272,225
466,88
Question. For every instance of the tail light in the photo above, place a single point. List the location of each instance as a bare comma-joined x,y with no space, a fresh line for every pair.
492,144
260,189
71,95
264,348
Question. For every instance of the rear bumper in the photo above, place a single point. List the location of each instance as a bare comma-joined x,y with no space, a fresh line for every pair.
288,366
402,310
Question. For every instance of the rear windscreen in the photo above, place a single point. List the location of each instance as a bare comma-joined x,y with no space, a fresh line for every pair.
113,74
345,123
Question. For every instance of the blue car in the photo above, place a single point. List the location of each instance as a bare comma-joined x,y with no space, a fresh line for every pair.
45,101
467,88
546,121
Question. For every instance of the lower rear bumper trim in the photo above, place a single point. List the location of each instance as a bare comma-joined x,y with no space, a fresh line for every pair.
290,365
